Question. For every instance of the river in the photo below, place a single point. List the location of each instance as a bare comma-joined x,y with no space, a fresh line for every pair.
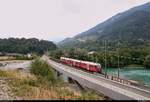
13,65
138,74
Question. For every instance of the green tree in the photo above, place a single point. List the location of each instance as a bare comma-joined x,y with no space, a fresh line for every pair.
147,61
24,46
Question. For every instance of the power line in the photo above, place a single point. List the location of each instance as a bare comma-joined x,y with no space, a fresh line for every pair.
118,62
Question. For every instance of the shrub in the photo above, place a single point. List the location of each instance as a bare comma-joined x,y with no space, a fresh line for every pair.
147,62
41,69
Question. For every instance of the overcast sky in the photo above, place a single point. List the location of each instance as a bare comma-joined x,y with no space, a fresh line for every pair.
56,19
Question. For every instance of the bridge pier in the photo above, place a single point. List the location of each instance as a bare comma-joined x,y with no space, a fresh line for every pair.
70,80
57,74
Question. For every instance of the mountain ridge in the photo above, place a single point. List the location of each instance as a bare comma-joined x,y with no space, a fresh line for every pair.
127,22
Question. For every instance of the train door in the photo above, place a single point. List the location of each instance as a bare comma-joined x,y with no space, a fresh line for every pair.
80,64
88,67
71,62
83,65
77,64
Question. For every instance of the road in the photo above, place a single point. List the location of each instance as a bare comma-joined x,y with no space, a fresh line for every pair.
110,88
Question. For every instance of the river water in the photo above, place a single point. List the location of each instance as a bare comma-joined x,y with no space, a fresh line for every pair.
13,65
138,74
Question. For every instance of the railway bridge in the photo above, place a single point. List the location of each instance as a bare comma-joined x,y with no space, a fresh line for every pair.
110,88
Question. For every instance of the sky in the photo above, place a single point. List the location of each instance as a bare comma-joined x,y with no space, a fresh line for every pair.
55,20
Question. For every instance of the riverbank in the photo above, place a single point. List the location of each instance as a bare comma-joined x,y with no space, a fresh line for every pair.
138,74
134,66
9,58
5,58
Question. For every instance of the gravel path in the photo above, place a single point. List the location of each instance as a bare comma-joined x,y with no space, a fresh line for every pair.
5,91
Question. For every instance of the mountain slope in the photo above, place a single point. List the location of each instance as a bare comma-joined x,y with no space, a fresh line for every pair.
133,24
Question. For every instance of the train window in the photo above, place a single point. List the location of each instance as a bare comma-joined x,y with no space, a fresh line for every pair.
77,63
91,66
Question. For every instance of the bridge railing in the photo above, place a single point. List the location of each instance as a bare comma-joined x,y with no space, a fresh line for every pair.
123,81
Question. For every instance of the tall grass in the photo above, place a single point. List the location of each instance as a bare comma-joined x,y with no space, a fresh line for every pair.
42,85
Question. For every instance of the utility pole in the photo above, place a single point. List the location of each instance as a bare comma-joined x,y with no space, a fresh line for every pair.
93,58
47,53
105,58
118,62
96,59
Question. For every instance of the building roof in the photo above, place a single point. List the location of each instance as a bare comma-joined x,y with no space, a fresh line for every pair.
92,52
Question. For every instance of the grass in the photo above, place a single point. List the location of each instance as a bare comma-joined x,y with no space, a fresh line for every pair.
23,58
5,58
41,84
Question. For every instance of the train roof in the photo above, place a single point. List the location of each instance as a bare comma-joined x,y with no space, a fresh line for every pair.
87,62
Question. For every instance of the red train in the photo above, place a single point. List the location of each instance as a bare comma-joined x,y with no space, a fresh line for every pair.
89,66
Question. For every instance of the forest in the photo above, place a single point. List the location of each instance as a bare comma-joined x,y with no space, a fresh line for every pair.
24,46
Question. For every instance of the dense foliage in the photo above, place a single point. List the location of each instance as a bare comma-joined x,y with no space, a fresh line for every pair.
127,56
147,61
15,45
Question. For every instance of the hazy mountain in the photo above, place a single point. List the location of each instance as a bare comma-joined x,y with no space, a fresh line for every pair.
133,24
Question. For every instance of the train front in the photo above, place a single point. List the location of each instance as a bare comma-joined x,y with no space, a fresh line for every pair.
99,68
